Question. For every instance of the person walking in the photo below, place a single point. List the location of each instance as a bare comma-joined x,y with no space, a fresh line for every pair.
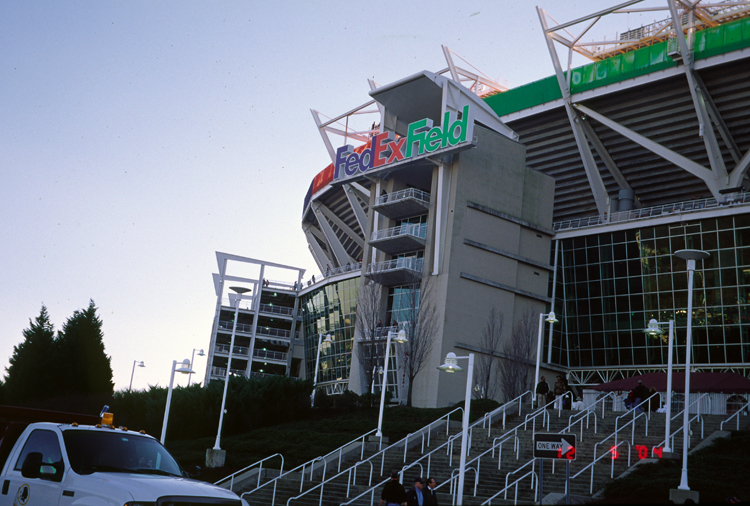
541,392
559,391
415,496
432,496
393,492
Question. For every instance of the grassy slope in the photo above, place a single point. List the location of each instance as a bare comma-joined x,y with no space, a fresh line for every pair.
720,471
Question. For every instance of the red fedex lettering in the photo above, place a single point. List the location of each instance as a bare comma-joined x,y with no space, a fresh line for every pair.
396,154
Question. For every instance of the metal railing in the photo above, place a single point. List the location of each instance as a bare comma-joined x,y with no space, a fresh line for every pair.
271,355
344,268
241,327
412,193
222,371
281,310
311,464
263,331
410,263
637,411
246,469
418,230
237,350
652,212
744,409
690,420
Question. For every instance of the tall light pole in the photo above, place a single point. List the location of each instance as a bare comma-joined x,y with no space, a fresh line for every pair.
238,298
451,365
192,357
654,330
551,319
690,255
184,369
400,337
328,340
140,364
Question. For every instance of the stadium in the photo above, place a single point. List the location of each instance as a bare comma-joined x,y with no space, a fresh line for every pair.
457,199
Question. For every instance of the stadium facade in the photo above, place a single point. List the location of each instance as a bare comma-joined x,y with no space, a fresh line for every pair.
570,194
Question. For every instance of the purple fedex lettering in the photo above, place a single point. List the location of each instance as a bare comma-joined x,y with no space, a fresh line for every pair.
342,154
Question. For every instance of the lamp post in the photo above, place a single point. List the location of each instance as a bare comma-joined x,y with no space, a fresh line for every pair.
192,357
551,319
376,370
451,365
239,291
328,340
654,330
184,369
400,337
140,364
690,255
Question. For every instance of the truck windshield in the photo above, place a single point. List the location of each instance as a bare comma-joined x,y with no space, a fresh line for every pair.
92,451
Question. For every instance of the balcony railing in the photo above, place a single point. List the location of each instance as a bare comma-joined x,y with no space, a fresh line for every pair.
399,271
413,229
653,212
270,355
222,372
285,334
280,310
343,269
241,327
409,193
237,350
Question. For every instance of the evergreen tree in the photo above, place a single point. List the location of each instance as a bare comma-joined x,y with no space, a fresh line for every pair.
31,374
84,366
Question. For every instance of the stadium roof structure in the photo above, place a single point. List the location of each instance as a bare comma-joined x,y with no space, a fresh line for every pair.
662,111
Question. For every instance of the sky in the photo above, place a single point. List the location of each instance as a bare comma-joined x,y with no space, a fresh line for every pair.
138,138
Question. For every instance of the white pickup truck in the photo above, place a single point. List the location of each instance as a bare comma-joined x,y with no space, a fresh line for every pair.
61,463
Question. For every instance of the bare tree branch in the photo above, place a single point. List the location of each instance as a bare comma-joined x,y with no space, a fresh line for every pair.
515,372
490,343
417,314
370,330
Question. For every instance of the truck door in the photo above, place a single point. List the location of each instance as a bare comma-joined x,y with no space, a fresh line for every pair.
43,469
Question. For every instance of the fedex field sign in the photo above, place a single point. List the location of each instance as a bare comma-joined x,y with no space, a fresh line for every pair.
422,139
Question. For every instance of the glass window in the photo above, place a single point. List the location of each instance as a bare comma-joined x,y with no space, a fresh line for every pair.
46,443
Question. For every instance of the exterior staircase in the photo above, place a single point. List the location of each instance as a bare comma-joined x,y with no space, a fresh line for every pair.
485,476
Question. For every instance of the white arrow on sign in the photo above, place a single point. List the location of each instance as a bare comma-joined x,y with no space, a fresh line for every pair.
567,446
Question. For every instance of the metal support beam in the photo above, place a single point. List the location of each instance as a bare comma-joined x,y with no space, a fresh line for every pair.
340,223
324,135
359,212
334,245
684,163
739,172
319,254
596,183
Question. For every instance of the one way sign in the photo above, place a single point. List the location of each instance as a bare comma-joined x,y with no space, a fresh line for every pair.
555,446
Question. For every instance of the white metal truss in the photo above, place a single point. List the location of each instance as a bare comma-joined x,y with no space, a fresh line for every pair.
688,15
332,240
585,376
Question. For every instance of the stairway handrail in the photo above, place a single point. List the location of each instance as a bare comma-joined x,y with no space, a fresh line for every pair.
403,441
690,420
310,462
585,413
260,470
534,484
743,408
671,436
597,459
636,416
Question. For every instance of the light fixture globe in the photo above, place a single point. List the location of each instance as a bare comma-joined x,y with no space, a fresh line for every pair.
401,337
653,328
451,363
551,317
185,369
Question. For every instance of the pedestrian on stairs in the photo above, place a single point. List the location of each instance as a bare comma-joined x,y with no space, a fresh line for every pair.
432,497
393,493
542,389
417,496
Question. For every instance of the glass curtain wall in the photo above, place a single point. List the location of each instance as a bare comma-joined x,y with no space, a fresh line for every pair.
610,285
330,310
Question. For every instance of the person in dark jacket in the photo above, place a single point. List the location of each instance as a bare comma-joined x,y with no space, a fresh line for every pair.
640,393
542,389
393,492
417,495
431,485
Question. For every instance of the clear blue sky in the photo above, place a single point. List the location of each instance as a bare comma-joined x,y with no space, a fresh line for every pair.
137,138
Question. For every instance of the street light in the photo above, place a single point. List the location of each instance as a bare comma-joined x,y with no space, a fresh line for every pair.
192,357
654,330
551,319
690,255
328,340
140,364
399,337
239,290
184,369
451,365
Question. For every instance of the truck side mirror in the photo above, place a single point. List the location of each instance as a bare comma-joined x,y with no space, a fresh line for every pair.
32,465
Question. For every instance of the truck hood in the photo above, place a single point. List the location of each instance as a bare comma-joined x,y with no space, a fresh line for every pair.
148,487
